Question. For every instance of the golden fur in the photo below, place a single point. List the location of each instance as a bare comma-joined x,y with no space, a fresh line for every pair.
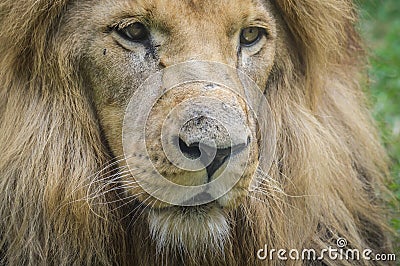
58,137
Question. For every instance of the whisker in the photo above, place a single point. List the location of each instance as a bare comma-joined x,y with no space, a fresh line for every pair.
129,197
116,188
110,182
137,207
117,177
135,216
99,176
133,198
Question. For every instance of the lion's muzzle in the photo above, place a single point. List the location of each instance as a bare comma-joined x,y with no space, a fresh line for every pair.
215,129
200,138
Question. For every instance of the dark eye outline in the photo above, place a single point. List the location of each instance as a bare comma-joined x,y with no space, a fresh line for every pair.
124,32
261,32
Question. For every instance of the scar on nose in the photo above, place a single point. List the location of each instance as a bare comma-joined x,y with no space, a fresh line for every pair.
162,64
210,86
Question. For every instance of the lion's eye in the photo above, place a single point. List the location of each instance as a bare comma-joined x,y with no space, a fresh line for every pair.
251,35
135,32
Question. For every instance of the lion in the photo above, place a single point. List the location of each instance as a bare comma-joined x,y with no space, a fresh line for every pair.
72,193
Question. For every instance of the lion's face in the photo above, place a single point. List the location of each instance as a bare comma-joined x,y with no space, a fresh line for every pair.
125,42
152,132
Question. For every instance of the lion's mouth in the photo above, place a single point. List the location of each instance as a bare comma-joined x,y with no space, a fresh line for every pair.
202,197
201,210
202,213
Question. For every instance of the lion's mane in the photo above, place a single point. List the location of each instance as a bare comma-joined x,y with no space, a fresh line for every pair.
329,166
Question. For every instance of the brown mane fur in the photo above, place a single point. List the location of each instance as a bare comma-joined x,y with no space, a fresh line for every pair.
329,162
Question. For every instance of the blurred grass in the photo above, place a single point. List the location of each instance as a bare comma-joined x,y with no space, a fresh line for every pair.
380,27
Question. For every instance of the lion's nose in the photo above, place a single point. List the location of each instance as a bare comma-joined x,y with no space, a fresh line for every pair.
206,139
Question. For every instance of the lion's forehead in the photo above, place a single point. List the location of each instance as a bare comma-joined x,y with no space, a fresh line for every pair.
191,9
169,15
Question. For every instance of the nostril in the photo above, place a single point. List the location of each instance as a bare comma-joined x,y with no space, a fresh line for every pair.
191,152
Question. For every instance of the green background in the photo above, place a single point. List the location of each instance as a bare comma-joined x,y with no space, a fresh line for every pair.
380,27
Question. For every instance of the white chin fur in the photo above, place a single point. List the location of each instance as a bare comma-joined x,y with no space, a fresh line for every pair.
193,230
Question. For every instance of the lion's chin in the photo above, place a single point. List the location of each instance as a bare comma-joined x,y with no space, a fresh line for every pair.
190,229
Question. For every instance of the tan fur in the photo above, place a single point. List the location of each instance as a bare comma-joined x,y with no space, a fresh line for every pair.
61,200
